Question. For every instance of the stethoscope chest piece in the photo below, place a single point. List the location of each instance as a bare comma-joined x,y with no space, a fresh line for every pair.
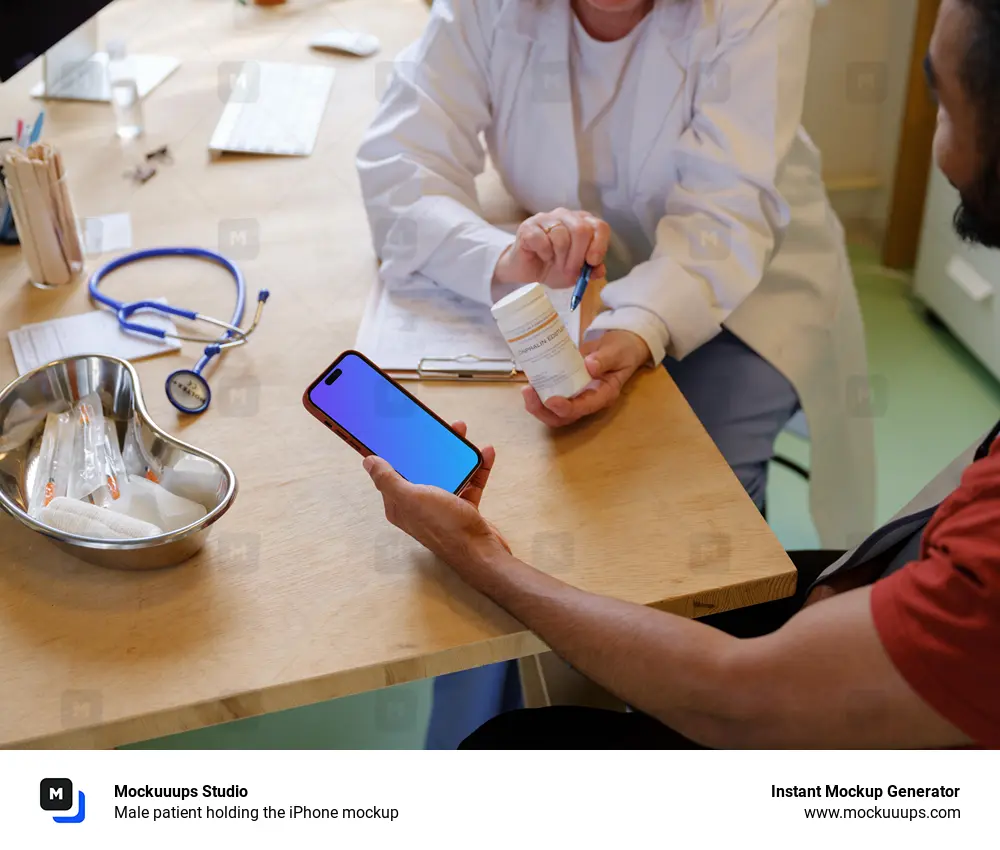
188,391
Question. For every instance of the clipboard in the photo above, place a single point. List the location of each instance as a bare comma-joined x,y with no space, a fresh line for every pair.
466,367
420,331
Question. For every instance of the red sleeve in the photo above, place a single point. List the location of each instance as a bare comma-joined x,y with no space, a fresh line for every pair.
939,618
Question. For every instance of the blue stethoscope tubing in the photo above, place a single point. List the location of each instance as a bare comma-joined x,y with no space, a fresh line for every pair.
125,312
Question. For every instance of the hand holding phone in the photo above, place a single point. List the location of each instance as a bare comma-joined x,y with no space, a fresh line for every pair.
376,416
451,527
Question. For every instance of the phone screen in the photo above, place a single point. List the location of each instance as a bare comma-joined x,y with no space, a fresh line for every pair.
375,412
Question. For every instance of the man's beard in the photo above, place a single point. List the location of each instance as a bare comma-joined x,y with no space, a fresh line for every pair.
977,220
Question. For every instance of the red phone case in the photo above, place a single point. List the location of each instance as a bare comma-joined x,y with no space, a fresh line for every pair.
357,445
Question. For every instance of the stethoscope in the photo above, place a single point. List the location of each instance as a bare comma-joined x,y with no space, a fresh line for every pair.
187,389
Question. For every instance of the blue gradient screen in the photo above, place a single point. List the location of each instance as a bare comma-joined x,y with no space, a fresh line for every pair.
374,411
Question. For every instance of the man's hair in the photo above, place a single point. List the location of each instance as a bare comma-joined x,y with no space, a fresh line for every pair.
981,72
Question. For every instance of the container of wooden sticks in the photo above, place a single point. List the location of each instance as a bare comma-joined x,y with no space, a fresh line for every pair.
44,216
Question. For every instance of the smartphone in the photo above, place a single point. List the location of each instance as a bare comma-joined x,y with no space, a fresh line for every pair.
373,414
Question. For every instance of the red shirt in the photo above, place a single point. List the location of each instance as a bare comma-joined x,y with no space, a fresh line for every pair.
939,618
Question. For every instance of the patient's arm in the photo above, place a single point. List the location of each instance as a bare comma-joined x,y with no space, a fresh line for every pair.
823,680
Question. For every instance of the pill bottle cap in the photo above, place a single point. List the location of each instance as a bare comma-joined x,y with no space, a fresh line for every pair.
525,297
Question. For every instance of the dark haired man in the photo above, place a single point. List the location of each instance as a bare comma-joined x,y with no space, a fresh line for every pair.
896,644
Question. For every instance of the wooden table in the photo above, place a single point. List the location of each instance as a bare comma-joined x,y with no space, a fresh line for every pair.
305,593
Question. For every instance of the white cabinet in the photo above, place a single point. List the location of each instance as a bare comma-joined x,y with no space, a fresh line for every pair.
960,283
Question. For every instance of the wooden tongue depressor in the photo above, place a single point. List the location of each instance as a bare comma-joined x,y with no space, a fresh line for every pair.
19,207
50,187
65,216
75,256
44,223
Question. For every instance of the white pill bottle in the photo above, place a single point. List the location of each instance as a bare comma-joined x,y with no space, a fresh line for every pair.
542,346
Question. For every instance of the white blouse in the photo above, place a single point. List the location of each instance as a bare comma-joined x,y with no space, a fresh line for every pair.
603,78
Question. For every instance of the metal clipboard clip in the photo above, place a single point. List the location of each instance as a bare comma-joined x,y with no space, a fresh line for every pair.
505,372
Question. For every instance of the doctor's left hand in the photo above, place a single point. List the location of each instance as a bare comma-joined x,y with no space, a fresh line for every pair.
450,526
611,360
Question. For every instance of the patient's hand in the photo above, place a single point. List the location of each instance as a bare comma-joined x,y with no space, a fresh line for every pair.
450,526
611,359
552,247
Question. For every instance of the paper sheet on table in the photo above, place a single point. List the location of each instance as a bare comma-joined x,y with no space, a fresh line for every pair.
96,332
106,233
405,326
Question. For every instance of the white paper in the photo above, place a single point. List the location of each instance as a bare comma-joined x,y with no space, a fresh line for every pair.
96,332
105,233
405,326
275,108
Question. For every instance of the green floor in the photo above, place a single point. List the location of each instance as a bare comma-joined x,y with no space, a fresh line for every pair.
931,396
391,719
932,399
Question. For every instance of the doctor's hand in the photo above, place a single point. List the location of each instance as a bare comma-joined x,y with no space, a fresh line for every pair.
611,359
450,526
551,248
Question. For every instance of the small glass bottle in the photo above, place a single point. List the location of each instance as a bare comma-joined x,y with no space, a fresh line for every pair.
124,93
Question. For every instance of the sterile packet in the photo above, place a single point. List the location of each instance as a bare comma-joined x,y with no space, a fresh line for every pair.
23,422
115,473
55,458
138,461
196,479
149,502
88,458
21,412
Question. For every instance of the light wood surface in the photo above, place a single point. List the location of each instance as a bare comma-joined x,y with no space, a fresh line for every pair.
305,593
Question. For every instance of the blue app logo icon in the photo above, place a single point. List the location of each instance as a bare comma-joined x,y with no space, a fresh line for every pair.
56,795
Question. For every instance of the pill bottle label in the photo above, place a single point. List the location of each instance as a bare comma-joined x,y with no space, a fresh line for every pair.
541,345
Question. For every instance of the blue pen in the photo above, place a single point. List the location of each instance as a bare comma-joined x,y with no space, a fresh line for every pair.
581,286
36,128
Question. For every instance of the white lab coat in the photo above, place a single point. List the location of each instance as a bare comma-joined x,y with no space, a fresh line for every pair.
720,173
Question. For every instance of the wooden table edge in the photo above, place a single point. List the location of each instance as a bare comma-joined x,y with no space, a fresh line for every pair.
375,677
